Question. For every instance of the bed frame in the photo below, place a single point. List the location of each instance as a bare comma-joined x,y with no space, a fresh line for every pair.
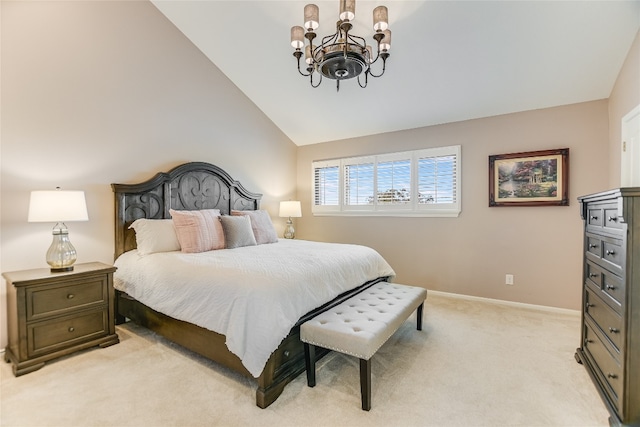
194,186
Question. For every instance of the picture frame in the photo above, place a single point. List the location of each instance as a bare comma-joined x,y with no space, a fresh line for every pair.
534,178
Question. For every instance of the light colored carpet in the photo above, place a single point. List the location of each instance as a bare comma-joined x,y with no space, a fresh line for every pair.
476,363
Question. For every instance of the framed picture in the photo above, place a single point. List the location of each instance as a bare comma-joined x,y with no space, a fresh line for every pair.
535,178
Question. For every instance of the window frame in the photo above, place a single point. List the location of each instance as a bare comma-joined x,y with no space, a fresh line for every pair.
413,208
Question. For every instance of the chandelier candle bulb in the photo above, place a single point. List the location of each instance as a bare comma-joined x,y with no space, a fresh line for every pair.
380,18
347,10
297,37
385,44
311,17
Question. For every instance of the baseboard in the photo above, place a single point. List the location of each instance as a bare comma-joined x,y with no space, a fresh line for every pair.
507,303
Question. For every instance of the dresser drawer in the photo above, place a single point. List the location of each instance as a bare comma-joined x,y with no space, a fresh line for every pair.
49,300
45,337
606,319
609,286
606,252
603,216
607,368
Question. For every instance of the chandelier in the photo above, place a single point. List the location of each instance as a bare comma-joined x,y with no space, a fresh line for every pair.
342,55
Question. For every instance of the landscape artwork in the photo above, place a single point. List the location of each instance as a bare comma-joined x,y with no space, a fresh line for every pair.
537,178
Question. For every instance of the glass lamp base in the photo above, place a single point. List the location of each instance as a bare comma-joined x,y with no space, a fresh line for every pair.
289,231
61,254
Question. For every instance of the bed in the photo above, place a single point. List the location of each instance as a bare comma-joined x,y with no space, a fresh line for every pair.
199,186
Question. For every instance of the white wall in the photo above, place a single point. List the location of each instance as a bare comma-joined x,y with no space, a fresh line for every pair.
100,92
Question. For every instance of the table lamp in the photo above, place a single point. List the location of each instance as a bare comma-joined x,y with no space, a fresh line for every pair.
59,206
290,209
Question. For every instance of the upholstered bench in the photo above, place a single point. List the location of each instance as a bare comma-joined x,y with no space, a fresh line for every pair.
360,326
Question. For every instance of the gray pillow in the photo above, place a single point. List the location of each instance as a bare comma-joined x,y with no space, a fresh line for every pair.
237,231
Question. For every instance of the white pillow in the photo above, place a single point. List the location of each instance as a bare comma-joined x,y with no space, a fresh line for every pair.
155,235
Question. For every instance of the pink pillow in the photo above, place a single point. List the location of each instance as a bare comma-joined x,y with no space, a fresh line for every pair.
261,225
198,231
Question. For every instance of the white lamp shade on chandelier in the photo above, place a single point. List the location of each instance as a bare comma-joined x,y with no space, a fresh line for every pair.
59,207
290,209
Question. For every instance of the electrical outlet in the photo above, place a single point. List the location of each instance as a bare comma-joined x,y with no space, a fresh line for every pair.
508,279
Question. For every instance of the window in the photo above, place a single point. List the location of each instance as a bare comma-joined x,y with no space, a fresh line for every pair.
412,183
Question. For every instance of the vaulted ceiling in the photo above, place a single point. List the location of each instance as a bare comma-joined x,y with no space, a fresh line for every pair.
450,60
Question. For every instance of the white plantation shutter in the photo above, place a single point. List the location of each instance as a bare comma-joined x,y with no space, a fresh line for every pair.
412,183
326,184
358,178
437,179
394,181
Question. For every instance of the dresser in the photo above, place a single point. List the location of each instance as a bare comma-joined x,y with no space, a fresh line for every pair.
54,314
610,345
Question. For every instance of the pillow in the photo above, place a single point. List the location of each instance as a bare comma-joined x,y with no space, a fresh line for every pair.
155,235
198,231
261,225
237,231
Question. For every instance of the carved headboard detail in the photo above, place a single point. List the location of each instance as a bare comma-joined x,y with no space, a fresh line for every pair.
190,186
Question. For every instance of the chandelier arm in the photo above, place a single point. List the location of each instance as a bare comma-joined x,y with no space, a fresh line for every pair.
311,80
360,41
381,73
366,80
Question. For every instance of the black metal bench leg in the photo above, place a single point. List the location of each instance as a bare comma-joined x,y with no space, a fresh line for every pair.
310,363
420,307
365,383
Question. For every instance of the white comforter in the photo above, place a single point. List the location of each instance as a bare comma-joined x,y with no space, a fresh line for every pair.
253,295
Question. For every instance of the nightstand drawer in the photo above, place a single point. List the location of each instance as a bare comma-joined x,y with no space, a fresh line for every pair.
45,337
49,300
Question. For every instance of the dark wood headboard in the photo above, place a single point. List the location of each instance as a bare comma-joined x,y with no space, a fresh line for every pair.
190,186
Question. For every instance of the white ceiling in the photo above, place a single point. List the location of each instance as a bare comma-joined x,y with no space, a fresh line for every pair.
450,60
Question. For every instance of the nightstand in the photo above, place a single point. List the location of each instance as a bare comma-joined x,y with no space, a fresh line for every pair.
50,315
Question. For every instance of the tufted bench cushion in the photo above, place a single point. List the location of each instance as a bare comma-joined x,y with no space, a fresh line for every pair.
361,325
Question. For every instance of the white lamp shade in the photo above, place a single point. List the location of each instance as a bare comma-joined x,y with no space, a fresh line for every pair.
57,206
290,209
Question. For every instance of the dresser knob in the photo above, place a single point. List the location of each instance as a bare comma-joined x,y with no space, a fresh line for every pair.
592,246
71,329
593,275
587,341
286,353
611,252
613,376
614,330
70,296
610,288
593,218
612,219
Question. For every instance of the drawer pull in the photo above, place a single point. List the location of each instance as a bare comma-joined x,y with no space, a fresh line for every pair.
612,219
71,329
612,376
611,252
593,275
286,353
71,296
593,217
592,246
610,288
588,305
587,341
614,330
